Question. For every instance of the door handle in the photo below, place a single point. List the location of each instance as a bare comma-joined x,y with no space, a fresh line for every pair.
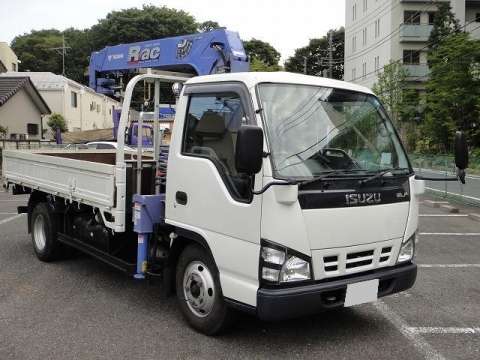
181,197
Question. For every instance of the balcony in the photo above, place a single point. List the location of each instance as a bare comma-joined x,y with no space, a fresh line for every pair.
415,33
417,72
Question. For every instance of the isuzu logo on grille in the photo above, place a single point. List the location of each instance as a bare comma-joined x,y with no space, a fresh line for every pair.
363,199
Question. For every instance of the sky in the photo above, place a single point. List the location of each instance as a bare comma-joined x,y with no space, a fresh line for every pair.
286,24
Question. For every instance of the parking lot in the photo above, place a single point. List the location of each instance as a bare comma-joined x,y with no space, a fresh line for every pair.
82,309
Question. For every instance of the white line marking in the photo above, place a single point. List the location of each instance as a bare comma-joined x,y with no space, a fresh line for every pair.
449,234
452,193
445,330
7,213
4,221
428,266
443,215
416,339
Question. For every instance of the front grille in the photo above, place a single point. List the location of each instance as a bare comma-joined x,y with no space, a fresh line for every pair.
357,259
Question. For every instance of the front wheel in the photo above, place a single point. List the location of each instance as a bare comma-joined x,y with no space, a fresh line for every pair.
199,293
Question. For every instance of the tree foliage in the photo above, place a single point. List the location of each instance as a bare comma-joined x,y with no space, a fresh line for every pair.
444,24
316,55
57,121
134,24
400,101
208,25
453,90
3,131
259,65
35,50
262,51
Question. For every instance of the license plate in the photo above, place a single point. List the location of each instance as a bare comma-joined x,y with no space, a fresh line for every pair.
361,293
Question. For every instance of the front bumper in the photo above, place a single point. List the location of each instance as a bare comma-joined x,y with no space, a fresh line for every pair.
277,304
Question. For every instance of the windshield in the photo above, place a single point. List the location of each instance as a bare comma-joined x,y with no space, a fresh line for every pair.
315,130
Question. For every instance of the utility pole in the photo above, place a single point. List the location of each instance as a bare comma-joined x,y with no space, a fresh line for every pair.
305,65
62,51
330,54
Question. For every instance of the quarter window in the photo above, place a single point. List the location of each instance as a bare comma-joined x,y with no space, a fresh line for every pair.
211,128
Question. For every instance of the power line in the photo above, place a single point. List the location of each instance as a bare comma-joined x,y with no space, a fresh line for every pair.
63,52
359,25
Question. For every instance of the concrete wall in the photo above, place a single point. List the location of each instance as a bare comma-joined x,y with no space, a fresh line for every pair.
19,111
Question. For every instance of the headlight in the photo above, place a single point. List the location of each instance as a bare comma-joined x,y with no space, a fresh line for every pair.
407,250
282,265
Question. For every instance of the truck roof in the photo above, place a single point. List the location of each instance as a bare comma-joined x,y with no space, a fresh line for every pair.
254,78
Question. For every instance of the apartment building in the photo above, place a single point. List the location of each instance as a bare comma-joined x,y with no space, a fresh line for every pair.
82,108
380,31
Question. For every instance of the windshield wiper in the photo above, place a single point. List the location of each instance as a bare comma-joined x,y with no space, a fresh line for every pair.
328,174
380,174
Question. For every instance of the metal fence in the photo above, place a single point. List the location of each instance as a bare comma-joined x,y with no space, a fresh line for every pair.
444,165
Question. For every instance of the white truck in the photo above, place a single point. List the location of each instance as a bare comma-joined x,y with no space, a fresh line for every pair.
282,195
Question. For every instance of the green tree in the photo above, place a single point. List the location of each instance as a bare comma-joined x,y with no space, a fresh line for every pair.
317,57
57,121
444,24
35,50
208,25
134,24
391,88
3,131
78,56
259,65
263,51
453,90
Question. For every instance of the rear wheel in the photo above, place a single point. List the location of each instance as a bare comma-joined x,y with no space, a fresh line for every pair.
44,233
199,293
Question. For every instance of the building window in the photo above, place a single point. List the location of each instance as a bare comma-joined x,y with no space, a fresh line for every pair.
411,57
354,43
377,28
354,74
364,36
354,12
364,70
14,67
377,64
431,17
32,129
73,97
365,5
411,17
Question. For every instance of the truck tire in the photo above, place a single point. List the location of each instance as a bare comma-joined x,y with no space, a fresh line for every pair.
44,234
199,292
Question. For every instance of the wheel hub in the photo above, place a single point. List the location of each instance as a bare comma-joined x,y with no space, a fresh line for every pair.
39,232
199,288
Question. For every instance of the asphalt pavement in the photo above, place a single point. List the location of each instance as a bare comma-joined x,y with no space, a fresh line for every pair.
82,309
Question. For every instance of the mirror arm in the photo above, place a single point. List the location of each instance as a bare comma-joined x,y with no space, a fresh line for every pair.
270,184
419,177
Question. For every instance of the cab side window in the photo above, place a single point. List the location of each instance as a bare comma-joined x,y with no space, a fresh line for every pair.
211,128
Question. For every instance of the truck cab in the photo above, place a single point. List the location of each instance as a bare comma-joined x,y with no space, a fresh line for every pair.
333,201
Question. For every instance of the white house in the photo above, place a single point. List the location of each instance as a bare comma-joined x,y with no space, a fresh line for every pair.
82,108
8,59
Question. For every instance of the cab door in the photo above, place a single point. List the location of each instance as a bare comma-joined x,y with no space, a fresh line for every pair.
206,195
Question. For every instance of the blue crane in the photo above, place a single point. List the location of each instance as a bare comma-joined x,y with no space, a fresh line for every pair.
216,51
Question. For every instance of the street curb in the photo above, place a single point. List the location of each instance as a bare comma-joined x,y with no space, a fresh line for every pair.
450,209
475,217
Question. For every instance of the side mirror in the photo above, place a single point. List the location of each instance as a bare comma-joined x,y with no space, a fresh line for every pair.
461,155
249,149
